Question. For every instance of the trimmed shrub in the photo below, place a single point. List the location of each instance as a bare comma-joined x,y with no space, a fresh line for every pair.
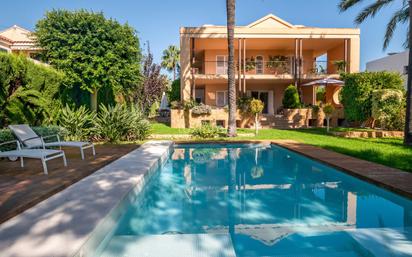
27,90
387,106
291,98
207,131
357,92
202,109
256,108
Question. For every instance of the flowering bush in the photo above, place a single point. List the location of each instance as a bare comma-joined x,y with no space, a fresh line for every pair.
202,109
207,131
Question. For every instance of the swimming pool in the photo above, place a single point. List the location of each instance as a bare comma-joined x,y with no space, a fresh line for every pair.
258,200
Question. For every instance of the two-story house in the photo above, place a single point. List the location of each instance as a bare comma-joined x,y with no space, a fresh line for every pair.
18,40
270,54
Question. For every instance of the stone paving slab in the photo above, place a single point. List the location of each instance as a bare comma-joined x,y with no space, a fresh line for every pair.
392,179
60,225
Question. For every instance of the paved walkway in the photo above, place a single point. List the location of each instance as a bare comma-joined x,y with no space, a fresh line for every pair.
22,188
390,178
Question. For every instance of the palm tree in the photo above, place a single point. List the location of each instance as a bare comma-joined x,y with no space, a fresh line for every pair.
170,60
403,15
230,11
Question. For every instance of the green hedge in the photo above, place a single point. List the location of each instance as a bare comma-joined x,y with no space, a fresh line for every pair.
7,135
28,91
357,93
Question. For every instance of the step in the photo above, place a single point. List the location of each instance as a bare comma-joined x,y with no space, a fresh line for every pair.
174,245
326,254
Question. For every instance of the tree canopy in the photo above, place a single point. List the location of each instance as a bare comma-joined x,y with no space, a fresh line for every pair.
94,52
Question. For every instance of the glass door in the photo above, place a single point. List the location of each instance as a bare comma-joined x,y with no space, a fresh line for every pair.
259,64
221,64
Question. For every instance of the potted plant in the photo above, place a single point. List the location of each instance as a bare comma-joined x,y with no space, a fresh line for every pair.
279,63
328,110
340,65
256,108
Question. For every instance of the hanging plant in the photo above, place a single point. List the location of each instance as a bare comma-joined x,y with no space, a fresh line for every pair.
340,65
280,63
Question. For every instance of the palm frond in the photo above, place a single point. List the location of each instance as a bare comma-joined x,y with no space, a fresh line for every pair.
400,16
406,42
371,10
346,4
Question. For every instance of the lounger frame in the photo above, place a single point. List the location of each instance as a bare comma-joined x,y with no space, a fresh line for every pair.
43,158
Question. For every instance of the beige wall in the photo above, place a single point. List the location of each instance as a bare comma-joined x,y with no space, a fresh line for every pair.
335,54
354,55
185,74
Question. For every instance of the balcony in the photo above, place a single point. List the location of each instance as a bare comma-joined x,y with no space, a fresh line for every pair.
286,68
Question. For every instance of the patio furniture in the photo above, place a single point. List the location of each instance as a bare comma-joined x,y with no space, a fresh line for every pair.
43,154
30,140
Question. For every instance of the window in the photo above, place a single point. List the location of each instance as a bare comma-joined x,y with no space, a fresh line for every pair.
220,123
221,64
221,98
405,70
200,95
259,64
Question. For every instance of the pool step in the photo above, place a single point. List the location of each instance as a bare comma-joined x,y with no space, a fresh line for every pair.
176,245
326,254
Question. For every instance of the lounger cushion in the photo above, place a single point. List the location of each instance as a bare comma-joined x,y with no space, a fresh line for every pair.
30,153
68,143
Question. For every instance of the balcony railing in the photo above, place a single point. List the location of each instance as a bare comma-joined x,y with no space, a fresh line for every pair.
269,67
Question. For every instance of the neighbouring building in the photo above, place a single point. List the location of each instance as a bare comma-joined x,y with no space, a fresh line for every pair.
272,54
397,62
18,40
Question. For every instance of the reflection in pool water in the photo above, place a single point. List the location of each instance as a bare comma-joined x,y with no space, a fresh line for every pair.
270,202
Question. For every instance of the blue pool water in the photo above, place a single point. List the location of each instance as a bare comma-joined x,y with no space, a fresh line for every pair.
267,201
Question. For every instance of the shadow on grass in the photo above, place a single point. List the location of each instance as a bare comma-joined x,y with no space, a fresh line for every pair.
392,159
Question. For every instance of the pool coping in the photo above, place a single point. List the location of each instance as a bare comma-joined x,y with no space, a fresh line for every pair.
62,224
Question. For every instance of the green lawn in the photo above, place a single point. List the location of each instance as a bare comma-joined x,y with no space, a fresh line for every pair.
389,152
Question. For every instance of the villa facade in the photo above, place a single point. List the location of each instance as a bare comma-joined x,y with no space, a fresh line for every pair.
270,54
18,40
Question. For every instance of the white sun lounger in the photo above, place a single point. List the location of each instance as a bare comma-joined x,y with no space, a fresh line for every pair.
43,154
30,140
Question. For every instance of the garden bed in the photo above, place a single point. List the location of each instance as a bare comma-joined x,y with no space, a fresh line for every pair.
369,134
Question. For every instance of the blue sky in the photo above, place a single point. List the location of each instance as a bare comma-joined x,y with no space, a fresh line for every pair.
158,21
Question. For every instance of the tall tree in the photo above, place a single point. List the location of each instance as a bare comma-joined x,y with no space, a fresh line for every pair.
170,60
230,11
401,16
94,52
